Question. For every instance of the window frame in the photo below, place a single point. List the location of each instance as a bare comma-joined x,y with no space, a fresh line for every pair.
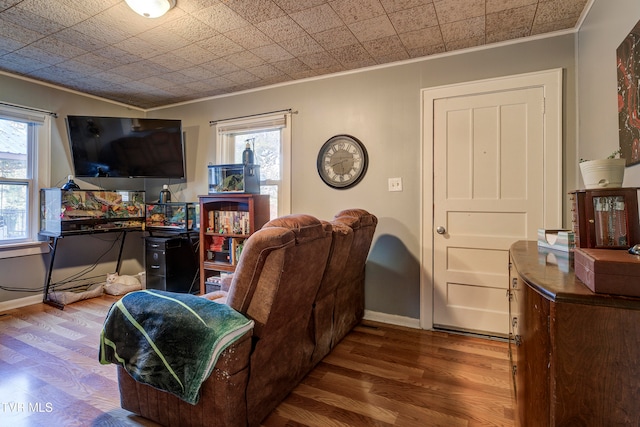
39,160
282,121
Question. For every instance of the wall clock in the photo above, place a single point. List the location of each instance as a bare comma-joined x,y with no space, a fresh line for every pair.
342,161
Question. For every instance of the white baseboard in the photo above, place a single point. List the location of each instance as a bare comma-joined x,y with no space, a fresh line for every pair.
374,316
392,319
20,302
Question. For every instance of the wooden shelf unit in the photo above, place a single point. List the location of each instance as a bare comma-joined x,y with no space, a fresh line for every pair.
256,211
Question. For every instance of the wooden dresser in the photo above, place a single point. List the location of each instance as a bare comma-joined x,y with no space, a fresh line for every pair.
575,354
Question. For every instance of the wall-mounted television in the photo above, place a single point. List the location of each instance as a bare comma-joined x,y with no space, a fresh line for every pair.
126,147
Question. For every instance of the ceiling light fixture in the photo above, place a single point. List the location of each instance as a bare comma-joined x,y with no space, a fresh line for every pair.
151,8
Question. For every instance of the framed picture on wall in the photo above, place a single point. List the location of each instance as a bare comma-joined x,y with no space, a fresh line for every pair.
628,65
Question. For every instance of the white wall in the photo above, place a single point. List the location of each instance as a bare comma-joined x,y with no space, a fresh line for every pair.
605,27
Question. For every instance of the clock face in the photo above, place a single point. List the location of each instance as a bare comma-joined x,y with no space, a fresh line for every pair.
342,161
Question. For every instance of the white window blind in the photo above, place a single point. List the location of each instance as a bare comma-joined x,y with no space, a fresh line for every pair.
22,115
260,123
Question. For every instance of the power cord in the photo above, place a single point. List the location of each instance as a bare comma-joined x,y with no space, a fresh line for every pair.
72,278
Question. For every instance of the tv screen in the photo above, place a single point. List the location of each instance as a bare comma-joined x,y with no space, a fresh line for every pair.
126,147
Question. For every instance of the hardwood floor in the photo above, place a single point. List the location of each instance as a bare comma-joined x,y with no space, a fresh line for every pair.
379,375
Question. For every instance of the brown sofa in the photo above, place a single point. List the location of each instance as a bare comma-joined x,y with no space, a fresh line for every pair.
293,281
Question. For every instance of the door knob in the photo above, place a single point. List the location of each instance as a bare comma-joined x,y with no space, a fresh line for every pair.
441,230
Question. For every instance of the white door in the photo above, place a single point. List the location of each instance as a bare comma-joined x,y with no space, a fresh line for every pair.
488,181
464,271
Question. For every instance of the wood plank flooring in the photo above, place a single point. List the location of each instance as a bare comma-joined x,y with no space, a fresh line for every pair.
379,375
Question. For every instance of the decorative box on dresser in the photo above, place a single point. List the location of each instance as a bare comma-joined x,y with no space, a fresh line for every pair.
575,353
226,219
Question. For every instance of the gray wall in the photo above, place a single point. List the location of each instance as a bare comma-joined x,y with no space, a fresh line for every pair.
602,32
75,253
380,106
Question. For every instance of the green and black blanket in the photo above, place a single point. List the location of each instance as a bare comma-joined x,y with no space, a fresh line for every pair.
168,340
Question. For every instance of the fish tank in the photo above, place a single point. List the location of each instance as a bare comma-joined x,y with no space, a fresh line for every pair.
238,178
66,212
176,216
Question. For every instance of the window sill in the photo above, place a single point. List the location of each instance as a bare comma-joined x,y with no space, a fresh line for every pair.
23,249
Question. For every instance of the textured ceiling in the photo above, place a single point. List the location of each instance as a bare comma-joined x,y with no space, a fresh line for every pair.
203,48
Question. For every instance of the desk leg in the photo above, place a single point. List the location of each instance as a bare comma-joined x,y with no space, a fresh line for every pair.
47,283
119,263
195,250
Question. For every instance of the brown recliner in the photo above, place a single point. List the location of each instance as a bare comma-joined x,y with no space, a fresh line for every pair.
322,319
349,299
282,313
275,284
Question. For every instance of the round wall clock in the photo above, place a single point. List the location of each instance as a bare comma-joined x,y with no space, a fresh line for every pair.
342,161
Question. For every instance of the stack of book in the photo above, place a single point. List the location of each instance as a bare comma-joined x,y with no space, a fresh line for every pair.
229,222
225,250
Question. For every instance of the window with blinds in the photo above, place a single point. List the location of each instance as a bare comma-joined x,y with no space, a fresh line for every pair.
269,136
24,169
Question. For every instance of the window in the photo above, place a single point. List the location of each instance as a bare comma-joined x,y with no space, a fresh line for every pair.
24,169
270,138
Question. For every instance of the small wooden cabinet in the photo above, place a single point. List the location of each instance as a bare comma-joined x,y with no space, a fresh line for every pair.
575,354
605,218
226,220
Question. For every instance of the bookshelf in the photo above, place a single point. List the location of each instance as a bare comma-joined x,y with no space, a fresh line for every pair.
226,221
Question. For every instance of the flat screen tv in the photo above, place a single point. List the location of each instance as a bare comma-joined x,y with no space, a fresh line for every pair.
126,147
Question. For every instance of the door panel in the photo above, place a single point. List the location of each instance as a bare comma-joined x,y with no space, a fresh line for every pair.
496,224
465,297
488,162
